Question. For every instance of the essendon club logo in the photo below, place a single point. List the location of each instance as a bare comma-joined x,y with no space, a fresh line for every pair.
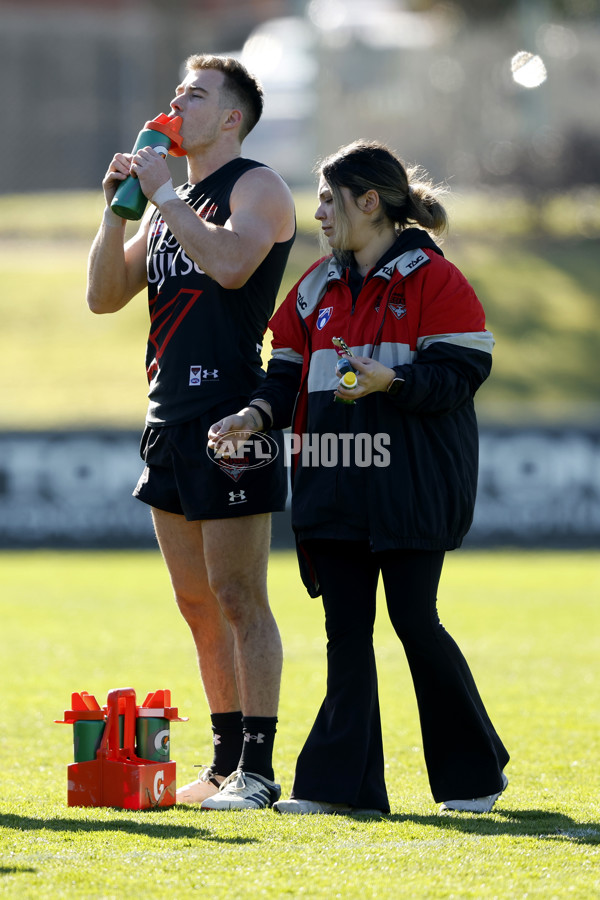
398,309
396,302
234,469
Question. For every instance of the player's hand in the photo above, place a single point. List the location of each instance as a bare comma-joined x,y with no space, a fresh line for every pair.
151,169
226,435
372,376
117,172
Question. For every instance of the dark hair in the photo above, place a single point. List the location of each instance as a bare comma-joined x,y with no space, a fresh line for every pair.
240,88
406,194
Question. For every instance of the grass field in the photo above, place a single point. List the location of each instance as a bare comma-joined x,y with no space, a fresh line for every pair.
529,624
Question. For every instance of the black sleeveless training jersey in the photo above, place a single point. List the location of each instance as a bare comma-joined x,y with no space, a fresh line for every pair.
205,341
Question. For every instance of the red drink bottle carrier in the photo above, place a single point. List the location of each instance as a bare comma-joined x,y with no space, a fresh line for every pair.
109,768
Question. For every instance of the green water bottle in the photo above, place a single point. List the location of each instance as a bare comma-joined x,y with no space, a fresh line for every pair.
162,133
153,738
87,737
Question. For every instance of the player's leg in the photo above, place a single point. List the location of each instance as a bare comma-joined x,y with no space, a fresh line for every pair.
236,554
181,544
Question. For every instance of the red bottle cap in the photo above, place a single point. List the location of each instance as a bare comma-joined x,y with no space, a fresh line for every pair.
169,126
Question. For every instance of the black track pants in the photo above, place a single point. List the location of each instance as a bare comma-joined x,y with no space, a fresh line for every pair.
342,759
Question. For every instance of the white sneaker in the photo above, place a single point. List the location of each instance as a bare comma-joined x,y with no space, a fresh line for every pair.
244,790
321,807
477,804
207,784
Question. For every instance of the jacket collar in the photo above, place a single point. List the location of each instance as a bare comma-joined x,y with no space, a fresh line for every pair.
405,255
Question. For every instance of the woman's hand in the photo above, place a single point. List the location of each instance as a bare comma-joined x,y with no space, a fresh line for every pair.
226,435
372,376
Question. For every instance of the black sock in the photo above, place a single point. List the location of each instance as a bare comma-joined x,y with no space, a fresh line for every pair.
227,739
257,751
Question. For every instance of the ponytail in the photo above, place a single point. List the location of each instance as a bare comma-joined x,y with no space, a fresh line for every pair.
423,204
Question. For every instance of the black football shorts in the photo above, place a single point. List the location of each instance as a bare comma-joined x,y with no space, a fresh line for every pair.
182,476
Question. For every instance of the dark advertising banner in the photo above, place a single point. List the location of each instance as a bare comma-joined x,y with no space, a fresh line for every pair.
538,487
71,489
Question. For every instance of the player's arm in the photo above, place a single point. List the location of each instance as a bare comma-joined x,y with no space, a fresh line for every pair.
116,269
262,214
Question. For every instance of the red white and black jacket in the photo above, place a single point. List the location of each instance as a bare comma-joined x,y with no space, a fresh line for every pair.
416,313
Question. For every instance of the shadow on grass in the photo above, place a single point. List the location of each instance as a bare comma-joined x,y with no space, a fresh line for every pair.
150,829
544,825
17,870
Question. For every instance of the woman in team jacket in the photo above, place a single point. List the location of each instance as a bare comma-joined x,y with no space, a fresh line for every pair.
383,485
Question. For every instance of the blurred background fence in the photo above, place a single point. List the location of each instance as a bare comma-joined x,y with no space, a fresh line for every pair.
518,147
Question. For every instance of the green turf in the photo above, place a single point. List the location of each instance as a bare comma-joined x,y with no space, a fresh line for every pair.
529,625
534,267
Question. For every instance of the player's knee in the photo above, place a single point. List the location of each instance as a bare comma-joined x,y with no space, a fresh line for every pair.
194,607
239,602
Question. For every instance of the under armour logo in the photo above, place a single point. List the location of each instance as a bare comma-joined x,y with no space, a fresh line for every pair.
210,375
240,497
259,738
216,739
